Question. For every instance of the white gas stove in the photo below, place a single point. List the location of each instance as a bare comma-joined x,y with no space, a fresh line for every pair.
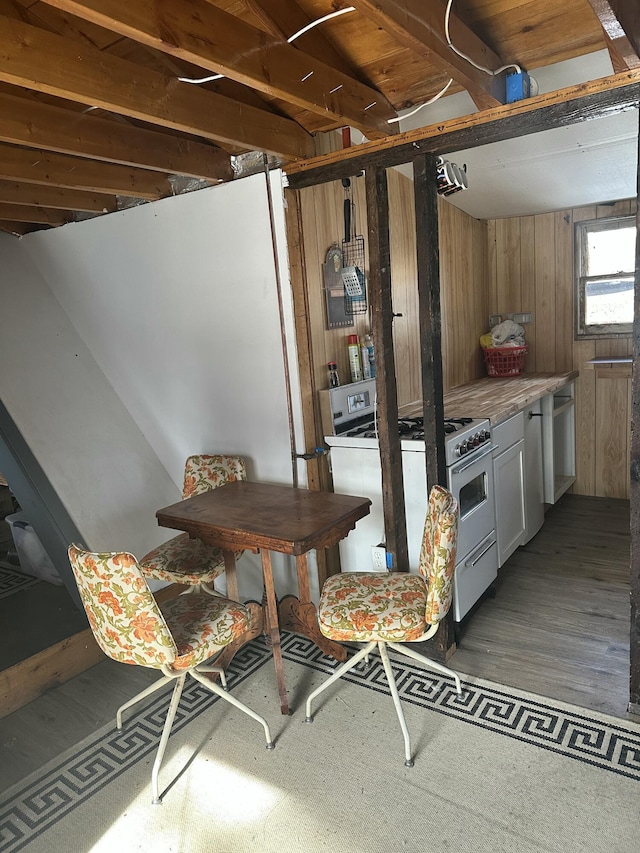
350,431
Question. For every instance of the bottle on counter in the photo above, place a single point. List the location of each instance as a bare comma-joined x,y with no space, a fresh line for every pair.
334,379
368,342
364,357
354,358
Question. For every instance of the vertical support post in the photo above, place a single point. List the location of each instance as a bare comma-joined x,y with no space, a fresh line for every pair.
428,256
634,645
395,523
428,259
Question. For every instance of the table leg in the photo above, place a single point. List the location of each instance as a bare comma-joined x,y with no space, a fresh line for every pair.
273,629
256,624
299,614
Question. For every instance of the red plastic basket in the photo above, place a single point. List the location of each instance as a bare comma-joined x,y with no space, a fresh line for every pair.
504,361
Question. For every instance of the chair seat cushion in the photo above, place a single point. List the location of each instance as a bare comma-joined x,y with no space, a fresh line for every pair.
184,560
202,624
366,606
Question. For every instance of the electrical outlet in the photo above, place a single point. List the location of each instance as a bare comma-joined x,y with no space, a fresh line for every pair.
379,558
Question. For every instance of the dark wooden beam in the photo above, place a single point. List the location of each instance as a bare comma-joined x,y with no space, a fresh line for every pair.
379,287
428,257
634,641
428,264
604,97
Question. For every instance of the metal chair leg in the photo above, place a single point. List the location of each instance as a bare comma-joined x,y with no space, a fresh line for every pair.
396,701
138,697
173,707
233,701
404,649
346,666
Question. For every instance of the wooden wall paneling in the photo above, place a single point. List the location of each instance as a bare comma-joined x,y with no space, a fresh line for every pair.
611,437
508,276
492,262
585,483
463,292
528,287
404,278
564,290
545,291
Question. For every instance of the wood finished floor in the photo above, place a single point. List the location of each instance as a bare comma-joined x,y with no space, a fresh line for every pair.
557,627
559,623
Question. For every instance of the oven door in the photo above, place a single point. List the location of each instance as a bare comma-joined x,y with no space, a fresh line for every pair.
471,483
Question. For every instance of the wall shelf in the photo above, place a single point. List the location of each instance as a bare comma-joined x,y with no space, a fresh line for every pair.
611,368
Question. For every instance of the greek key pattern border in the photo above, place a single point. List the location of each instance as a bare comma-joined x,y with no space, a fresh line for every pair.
606,745
96,762
40,803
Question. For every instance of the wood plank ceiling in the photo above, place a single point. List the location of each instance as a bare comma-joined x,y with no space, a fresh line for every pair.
94,116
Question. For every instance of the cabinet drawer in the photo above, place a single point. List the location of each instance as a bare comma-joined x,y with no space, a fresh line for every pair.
508,432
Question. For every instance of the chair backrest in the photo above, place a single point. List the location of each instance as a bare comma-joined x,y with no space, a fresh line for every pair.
438,552
204,472
123,614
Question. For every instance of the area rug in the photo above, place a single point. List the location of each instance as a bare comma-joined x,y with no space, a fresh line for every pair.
495,770
12,580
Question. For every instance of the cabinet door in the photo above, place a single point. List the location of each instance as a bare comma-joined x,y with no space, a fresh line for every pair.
508,475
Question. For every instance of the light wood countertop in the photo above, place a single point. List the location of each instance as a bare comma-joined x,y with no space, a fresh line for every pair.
497,398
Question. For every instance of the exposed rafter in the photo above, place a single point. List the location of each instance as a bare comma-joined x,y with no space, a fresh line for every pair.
56,198
219,42
420,26
35,125
38,60
620,21
59,170
41,215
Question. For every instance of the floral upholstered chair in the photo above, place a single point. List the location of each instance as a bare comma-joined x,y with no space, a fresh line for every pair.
395,608
177,638
185,560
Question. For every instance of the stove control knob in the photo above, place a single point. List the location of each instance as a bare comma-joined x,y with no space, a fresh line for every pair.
476,439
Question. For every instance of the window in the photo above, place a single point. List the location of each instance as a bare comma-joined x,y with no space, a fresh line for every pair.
605,270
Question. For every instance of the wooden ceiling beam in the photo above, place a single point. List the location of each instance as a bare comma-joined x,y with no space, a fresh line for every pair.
620,20
59,170
24,213
582,102
17,229
223,44
44,62
56,198
283,18
419,25
36,125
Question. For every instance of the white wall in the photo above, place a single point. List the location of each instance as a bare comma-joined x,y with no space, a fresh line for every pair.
90,448
177,302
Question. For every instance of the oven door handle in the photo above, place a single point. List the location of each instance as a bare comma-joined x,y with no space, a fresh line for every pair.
483,548
473,461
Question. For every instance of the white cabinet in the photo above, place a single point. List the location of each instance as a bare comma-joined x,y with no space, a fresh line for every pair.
509,482
533,481
558,442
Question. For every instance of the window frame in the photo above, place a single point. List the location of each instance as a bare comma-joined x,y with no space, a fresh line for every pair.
582,331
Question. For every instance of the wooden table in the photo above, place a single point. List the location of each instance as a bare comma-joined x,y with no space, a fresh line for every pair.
265,517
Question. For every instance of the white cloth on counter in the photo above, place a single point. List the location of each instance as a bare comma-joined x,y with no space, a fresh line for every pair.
508,334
